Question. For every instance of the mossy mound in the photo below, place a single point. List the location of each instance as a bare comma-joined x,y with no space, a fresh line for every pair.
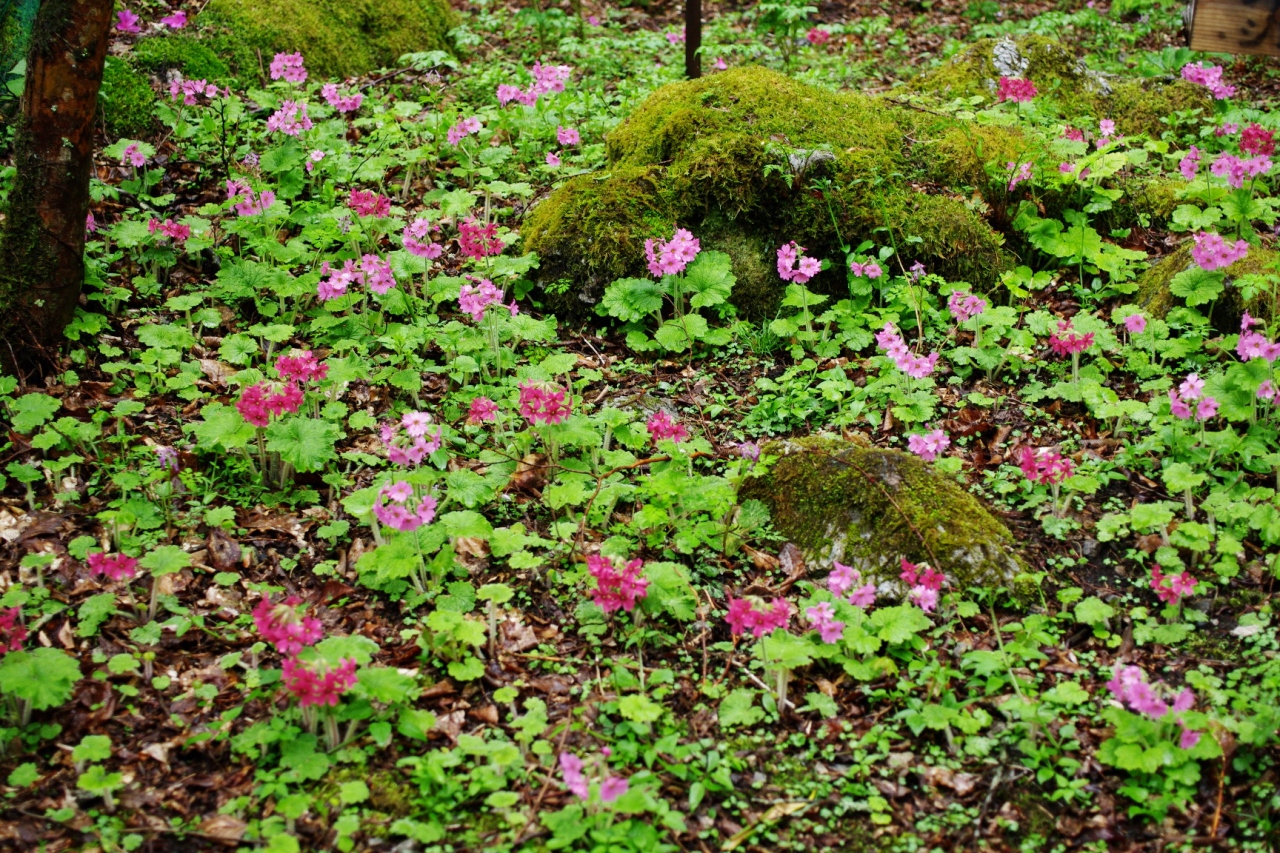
1136,105
194,60
1156,296
337,38
753,159
126,99
869,508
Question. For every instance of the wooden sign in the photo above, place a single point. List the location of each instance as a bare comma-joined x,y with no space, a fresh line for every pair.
1235,26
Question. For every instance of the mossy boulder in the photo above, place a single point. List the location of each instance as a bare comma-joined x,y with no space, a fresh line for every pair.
1155,293
1136,105
752,159
126,99
869,508
337,38
191,58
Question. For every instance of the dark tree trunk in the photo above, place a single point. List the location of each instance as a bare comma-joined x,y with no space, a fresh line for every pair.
42,248
693,38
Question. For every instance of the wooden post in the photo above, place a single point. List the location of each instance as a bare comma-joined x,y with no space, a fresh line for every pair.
1235,26
693,38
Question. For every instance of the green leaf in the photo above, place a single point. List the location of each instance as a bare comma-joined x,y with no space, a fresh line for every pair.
1197,286
739,709
898,624
166,560
31,410
222,427
670,591
466,670
165,336
305,443
679,333
710,279
1067,693
93,611
468,488
43,677
92,748
238,348
639,708
387,685
350,793
632,299
1094,611
23,776
498,593
95,780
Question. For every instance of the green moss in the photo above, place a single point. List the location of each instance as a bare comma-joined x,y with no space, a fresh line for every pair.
338,38
1155,296
195,60
1141,106
743,153
870,508
127,99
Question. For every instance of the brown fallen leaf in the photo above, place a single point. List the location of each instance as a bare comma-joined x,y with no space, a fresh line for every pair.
471,546
224,828
531,474
224,552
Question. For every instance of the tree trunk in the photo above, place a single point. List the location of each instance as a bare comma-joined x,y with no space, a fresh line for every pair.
42,248
693,39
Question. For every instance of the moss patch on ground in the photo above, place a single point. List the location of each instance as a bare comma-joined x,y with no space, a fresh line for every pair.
869,508
753,159
194,60
338,38
126,99
1156,296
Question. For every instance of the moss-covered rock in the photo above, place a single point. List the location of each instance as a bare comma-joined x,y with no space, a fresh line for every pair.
338,38
193,59
1136,105
1156,296
745,156
126,98
869,508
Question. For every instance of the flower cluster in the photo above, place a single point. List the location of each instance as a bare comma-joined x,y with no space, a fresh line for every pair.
822,616
571,767
844,582
616,589
1066,341
1171,588
1135,324
1253,344
1190,164
478,241
1191,390
133,156
544,404
371,270
176,232
1211,252
303,367
166,458
1227,128
1257,140
965,306
662,427
1045,465
1016,89
405,512
1018,172
929,445
672,256
415,444
1210,78
1106,132
290,119
316,683
248,203
483,410
283,625
117,567
925,586
475,299
818,37
259,402
189,91
12,631
369,203
546,80
1130,687
1235,170
744,615
416,239
568,136
787,269
917,367
341,103
288,66
870,269
463,129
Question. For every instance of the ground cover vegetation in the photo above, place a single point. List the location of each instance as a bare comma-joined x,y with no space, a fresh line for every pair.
870,446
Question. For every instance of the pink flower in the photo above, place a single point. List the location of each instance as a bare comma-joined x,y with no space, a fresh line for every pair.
418,445
1188,739
476,300
176,21
118,567
917,367
478,241
1074,134
1065,341
571,770
1015,89
1106,128
133,156
671,257
303,367
378,274
964,306
1211,252
369,203
1192,387
1267,391
663,427
316,683
925,598
721,65
90,226
787,257
929,445
416,239
744,616
401,513
612,788
553,160
1207,408
818,37
870,269
1177,406
1235,170
1135,324
1045,465
283,625
843,579
864,596
1227,128
259,402
1210,78
822,617
483,410
463,129
1066,168
675,38
616,589
544,404
567,136
1190,164
341,103
1018,173
416,424
127,22
12,631
288,66
1257,140
291,119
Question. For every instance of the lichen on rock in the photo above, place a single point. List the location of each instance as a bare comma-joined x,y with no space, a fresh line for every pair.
870,508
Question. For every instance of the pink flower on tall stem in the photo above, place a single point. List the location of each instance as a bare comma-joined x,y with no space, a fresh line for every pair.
671,257
788,254
482,410
617,589
662,427
759,619
284,626
288,66
544,404
1016,89
316,683
117,567
929,445
397,507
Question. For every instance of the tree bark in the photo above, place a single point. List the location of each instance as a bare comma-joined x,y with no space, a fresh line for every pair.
42,248
693,39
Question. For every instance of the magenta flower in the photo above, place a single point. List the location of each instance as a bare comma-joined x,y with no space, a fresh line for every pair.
478,241
964,306
1015,89
743,616
1210,78
929,445
818,37
395,507
675,37
842,578
616,589
283,625
1135,324
288,66
133,156
12,632
369,203
176,21
1190,164
544,404
475,300
571,771
341,103
568,136
1066,168
316,683
822,616
788,255
259,402
303,367
483,410
662,427
1206,409
1130,688
90,225
612,788
1018,173
1066,341
176,232
416,239
1235,170
917,367
117,567
1045,465
721,65
1256,139
291,119
127,22
672,256
1211,252
463,129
